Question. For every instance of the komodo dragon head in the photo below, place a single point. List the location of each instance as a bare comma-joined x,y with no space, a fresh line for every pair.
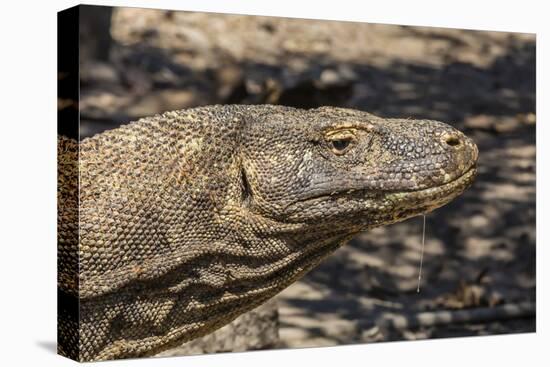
191,218
341,170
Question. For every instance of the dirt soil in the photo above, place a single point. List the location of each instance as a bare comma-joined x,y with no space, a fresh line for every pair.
479,250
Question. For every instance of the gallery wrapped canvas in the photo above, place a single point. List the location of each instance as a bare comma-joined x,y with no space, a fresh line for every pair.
233,182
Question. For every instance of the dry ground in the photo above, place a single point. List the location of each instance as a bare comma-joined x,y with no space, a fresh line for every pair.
480,249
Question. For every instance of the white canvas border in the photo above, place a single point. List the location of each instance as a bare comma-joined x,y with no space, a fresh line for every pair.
28,184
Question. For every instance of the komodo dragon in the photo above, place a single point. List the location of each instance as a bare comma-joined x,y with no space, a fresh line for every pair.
185,220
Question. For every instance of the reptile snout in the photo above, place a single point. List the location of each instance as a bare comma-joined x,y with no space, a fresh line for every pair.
426,154
462,152
459,142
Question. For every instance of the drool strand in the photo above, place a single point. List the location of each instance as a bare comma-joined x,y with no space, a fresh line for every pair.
422,253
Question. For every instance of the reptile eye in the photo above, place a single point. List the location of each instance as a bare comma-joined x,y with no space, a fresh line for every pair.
339,146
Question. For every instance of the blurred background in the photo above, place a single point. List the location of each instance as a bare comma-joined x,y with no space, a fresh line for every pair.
479,260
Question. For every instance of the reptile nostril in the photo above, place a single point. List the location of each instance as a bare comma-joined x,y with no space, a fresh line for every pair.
452,140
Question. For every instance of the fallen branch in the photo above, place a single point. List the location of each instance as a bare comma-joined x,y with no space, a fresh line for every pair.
434,318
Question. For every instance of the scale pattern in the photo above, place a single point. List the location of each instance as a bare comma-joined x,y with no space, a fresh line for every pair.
172,226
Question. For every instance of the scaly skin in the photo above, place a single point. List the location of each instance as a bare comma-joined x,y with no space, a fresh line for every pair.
191,218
